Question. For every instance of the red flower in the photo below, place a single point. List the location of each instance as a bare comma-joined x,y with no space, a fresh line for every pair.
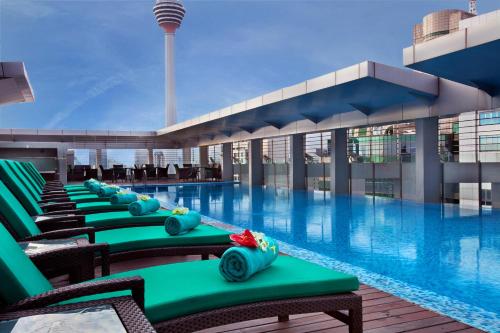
244,239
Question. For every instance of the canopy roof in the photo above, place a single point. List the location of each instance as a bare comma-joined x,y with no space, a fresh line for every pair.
366,87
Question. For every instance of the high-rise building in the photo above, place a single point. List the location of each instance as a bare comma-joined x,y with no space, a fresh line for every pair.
169,14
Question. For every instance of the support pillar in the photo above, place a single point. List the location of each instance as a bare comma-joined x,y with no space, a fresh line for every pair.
203,156
495,195
151,159
428,164
255,167
339,163
186,155
297,170
62,164
98,158
227,161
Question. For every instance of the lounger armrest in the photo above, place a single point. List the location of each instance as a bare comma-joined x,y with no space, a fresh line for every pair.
59,199
135,284
53,206
53,196
64,211
54,191
66,233
53,257
61,223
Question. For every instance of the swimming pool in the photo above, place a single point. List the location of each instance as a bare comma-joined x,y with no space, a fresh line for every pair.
443,257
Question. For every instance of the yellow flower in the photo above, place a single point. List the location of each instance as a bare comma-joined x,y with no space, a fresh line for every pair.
144,197
273,248
180,210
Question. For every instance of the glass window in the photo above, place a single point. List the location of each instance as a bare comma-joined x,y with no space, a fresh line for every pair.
489,118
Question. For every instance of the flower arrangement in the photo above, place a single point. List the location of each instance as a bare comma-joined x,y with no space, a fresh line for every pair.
180,211
123,192
144,197
253,239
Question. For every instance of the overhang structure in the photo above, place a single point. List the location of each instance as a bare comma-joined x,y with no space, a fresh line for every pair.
15,85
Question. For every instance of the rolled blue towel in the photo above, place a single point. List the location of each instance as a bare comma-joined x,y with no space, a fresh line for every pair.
143,207
94,187
239,263
181,224
107,191
123,198
89,181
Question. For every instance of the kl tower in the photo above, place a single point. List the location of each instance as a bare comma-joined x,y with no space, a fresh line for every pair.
169,14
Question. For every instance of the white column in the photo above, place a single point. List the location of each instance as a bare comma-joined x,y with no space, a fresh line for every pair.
203,156
98,158
227,161
297,170
427,162
151,159
62,166
186,155
170,111
255,168
339,164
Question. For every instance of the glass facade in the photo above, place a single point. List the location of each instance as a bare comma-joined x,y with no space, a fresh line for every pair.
240,160
317,149
275,160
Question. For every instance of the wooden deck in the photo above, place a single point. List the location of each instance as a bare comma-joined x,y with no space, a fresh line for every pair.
382,313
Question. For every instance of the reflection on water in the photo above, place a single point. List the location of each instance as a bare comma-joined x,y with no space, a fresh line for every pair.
445,249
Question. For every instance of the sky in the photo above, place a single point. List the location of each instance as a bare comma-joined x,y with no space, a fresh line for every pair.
99,64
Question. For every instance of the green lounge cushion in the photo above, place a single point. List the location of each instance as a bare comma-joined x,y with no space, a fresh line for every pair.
100,205
124,217
14,184
86,198
180,289
71,192
136,238
15,214
75,188
19,276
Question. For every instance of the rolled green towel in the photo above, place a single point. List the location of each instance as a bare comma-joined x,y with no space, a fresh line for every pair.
181,224
89,181
143,207
107,191
94,187
239,263
123,198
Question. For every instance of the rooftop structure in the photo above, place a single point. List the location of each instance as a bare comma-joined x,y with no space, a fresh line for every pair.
438,24
169,14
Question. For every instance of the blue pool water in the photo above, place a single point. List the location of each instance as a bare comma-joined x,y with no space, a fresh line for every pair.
447,255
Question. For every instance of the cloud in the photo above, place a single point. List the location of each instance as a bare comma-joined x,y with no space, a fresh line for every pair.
95,91
28,8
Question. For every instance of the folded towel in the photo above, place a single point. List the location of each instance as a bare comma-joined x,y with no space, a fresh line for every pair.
123,198
144,207
94,187
239,263
181,224
107,191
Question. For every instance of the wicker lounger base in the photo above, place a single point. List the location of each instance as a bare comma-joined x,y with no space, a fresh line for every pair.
330,304
203,250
